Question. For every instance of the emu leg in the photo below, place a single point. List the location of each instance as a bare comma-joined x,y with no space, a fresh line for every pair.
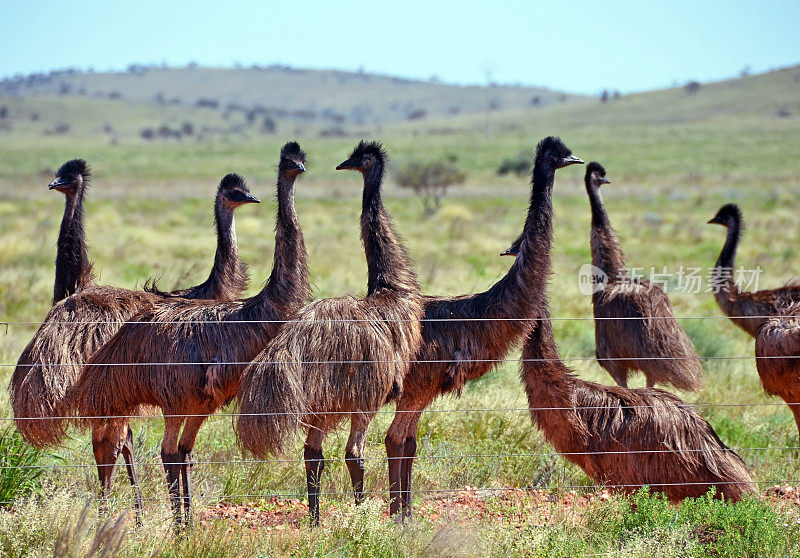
795,407
172,460
188,438
315,463
394,454
105,455
130,465
354,455
409,453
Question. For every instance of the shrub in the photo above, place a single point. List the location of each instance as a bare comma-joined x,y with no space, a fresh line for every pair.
429,180
19,475
520,164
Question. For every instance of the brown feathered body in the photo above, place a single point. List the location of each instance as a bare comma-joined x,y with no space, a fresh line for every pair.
635,327
627,438
186,356
349,355
42,387
748,310
778,357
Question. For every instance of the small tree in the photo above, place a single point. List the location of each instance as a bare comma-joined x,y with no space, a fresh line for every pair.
429,180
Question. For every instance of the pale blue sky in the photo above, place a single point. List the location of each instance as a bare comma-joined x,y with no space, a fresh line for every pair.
577,45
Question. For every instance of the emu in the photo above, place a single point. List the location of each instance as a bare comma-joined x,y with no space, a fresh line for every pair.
342,356
778,357
627,438
205,345
635,328
464,337
747,310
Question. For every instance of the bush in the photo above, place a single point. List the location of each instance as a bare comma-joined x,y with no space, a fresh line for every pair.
520,164
19,475
429,180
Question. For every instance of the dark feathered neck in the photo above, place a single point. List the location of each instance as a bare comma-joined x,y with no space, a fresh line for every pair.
287,288
228,277
606,252
722,278
72,258
388,265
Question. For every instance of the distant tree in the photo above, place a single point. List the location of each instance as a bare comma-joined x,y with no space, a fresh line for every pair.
115,95
416,114
147,134
430,180
187,129
159,98
207,103
692,87
107,128
616,94
3,112
783,112
535,100
61,128
34,116
745,71
454,109
64,88
604,96
334,132
268,125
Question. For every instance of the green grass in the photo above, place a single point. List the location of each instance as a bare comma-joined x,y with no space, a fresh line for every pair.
673,160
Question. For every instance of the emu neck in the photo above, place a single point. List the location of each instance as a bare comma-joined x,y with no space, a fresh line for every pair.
606,253
388,265
723,270
516,295
71,257
287,287
228,274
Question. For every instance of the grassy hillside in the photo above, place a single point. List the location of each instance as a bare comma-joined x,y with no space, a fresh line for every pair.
673,159
303,95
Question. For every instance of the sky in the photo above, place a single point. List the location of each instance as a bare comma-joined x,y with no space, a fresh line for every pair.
574,45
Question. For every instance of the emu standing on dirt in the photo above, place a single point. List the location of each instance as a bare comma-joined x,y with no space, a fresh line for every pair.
346,355
42,385
635,328
746,310
778,357
627,438
72,260
474,332
205,345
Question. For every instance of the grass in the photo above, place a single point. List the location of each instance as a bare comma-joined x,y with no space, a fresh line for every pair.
673,160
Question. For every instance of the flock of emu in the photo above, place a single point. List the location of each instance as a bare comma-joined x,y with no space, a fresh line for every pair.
105,354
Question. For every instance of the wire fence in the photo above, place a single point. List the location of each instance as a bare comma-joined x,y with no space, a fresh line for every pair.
789,453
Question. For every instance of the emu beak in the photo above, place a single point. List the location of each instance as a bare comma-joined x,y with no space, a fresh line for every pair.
301,167
58,182
571,160
347,165
509,252
605,180
250,198
713,221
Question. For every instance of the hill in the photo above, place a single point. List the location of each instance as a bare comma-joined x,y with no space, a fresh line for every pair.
283,92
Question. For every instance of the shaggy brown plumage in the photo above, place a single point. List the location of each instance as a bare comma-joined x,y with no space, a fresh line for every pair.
42,387
627,438
746,310
779,338
72,259
205,345
648,338
228,278
342,355
454,352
